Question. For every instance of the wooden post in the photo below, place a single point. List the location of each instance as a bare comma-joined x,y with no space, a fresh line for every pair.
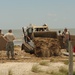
70,59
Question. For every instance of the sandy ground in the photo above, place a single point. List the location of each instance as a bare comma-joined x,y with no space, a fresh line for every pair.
22,56
23,63
23,68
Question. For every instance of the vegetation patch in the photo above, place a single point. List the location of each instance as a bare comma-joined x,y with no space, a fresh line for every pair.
63,70
36,69
73,72
66,62
44,63
52,60
10,72
54,73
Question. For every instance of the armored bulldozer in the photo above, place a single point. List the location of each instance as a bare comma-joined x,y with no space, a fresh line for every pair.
42,42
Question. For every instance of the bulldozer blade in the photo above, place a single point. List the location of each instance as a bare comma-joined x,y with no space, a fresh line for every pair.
47,34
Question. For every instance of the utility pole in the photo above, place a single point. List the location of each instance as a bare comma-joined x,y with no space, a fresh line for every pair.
70,58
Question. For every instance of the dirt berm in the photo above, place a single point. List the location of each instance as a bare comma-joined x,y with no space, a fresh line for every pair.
46,46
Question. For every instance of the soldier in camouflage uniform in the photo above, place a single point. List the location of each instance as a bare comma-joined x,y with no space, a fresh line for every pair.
10,45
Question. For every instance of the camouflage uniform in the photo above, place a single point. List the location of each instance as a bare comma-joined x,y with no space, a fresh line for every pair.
10,48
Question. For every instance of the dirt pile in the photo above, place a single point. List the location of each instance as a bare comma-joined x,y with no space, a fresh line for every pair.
46,47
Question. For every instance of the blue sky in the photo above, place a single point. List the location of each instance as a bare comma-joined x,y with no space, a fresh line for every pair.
55,13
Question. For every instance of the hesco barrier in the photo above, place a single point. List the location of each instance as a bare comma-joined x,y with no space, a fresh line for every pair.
2,43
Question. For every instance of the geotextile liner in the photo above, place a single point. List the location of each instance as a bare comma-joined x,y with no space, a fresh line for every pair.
46,46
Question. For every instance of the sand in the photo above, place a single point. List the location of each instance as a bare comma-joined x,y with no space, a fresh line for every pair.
23,63
22,68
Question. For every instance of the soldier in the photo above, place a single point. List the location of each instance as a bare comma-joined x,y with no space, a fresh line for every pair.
66,38
10,45
1,32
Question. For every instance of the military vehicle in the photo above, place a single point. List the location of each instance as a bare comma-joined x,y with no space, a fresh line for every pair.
43,33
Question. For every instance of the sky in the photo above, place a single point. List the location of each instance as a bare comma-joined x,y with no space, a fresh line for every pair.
16,14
